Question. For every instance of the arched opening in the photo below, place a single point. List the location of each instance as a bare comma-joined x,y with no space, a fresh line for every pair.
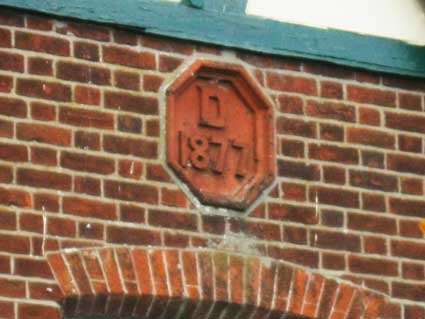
123,282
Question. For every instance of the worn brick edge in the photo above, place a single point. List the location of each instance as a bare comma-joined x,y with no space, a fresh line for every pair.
194,283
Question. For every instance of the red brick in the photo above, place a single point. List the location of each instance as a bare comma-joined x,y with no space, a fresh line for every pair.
412,186
410,291
331,132
131,192
329,70
152,83
167,44
31,222
372,159
287,83
89,208
86,118
405,122
11,62
44,90
335,240
40,66
152,128
333,153
332,218
304,257
125,37
408,164
262,230
85,30
295,235
297,127
370,137
372,223
169,63
91,231
87,95
413,271
87,140
373,202
43,179
43,156
127,80
128,57
61,227
213,224
176,240
331,90
375,245
413,312
39,23
291,104
13,107
377,181
405,83
132,214
32,268
270,62
132,236
371,96
335,197
173,198
333,261
298,170
129,124
334,175
14,153
410,143
410,229
6,83
130,169
82,73
411,102
12,288
6,174
14,244
168,219
131,103
5,38
45,291
34,311
333,111
11,18
130,146
42,43
369,116
292,148
411,250
86,51
46,202
7,220
293,213
293,191
44,134
87,185
43,111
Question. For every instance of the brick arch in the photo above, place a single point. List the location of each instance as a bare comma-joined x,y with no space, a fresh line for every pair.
167,283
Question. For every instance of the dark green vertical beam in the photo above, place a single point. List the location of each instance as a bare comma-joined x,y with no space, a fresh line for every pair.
231,28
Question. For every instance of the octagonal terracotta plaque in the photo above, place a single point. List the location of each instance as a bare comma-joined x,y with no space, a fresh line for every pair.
220,136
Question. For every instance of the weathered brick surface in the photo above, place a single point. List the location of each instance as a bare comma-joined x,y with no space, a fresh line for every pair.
81,152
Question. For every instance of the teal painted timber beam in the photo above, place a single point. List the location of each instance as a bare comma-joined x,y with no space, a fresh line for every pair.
236,30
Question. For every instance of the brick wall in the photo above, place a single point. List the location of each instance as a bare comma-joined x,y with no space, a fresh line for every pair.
82,163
